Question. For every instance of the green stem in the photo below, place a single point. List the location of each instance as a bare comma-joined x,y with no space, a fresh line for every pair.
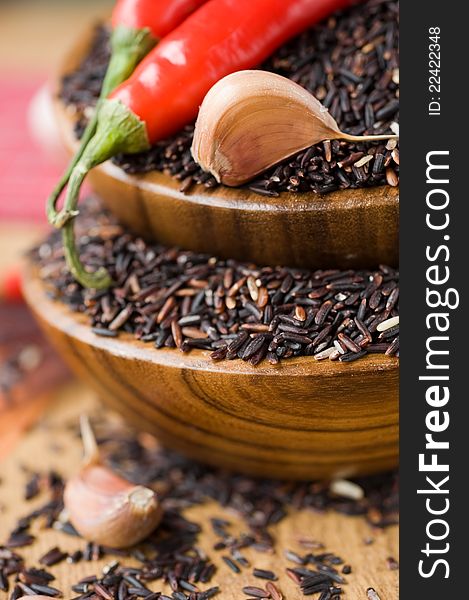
100,279
118,130
54,197
128,47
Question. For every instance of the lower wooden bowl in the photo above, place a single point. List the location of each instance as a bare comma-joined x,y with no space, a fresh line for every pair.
302,419
348,228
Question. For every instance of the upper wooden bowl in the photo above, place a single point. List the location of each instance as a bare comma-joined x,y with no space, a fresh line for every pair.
348,228
302,419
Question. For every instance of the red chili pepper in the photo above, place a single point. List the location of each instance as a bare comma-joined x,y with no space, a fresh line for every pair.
10,288
137,26
165,91
160,16
168,87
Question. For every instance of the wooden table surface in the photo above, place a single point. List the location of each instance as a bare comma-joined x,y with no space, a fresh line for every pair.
39,449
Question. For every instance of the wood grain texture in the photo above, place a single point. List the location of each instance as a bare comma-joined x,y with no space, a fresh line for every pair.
299,419
342,535
347,228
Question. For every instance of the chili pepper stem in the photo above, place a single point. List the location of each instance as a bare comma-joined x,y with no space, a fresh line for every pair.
118,130
128,47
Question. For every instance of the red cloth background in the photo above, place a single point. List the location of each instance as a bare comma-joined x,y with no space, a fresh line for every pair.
26,174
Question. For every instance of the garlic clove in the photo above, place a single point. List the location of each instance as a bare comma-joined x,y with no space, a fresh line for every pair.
32,597
252,120
249,121
106,508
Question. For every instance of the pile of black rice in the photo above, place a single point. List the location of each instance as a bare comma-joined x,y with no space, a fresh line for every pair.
172,555
175,298
350,62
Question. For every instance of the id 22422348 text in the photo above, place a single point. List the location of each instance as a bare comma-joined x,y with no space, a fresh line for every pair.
434,64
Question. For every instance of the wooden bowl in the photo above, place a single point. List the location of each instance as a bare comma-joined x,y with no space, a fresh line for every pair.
302,419
347,228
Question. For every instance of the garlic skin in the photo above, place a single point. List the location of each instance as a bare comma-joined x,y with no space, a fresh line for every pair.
105,508
252,120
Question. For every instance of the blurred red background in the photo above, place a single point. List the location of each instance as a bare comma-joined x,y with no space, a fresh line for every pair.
34,35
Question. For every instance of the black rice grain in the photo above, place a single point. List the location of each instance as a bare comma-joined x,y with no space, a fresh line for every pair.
255,592
53,557
231,564
265,574
273,590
